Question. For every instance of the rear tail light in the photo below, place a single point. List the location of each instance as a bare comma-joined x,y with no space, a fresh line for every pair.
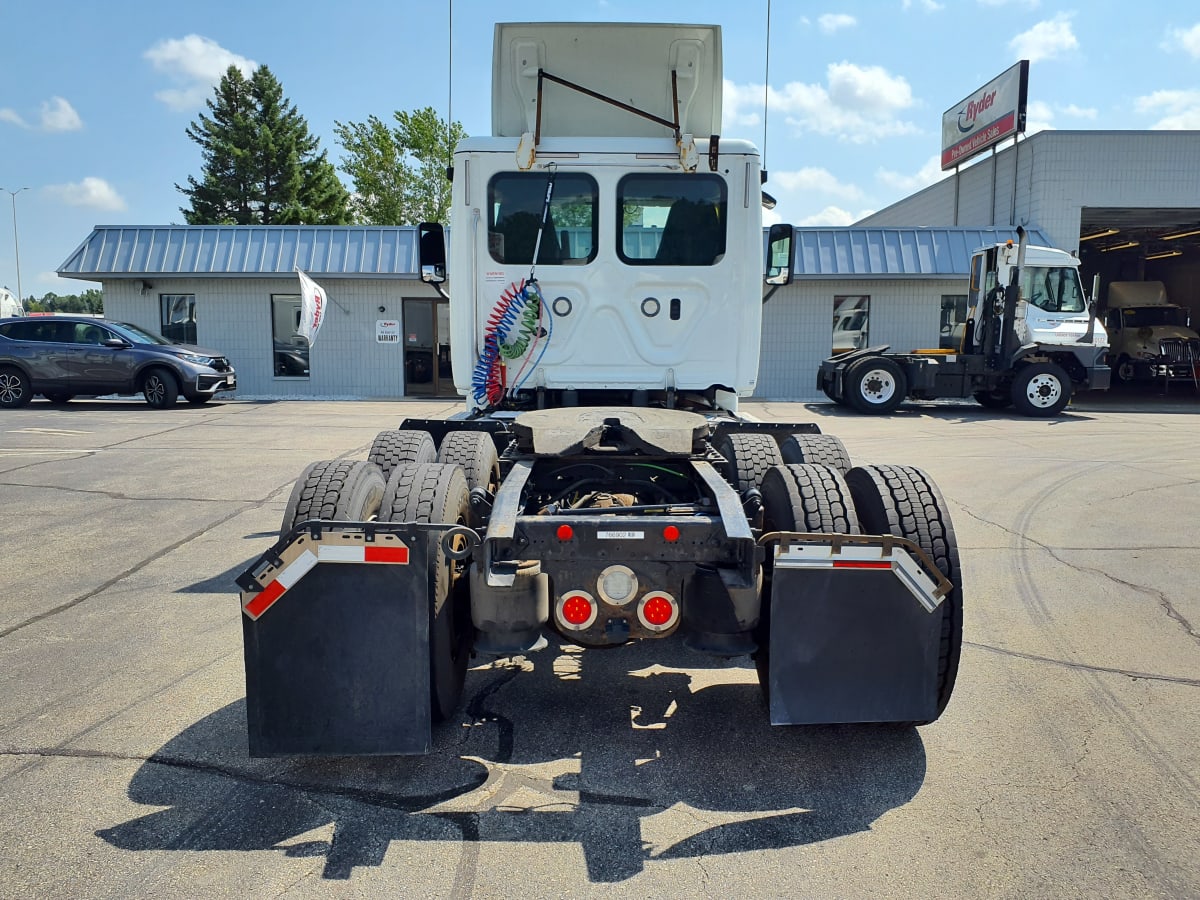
576,610
658,611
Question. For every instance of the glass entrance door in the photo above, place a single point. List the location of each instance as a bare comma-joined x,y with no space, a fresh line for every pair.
426,327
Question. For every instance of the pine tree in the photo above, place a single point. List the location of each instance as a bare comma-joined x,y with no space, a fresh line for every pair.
260,164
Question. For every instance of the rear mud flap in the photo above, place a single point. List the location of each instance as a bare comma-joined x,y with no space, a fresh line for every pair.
335,623
855,633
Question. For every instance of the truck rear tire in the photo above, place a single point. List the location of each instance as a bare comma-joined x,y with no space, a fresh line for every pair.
904,501
341,490
802,498
394,448
476,453
1041,389
875,385
747,458
436,492
818,449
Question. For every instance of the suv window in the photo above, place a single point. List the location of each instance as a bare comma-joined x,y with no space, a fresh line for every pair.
37,331
87,333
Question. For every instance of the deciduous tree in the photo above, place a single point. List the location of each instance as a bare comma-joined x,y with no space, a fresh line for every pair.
399,171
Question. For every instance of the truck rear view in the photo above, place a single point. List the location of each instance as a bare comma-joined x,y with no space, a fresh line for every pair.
600,486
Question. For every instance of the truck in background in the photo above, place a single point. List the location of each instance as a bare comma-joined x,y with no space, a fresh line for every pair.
1147,333
1031,341
601,485
10,306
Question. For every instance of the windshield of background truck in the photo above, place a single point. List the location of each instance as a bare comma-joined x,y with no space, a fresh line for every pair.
1150,316
1054,288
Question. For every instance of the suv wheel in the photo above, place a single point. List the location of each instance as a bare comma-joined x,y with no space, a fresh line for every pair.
14,388
159,388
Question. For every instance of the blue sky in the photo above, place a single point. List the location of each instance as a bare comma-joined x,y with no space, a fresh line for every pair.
95,98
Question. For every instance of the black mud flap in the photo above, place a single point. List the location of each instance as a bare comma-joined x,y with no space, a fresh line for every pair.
855,630
335,623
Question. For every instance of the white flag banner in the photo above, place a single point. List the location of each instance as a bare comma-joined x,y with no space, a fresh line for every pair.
312,307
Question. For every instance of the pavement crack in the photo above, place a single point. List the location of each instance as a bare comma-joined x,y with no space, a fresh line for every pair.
1161,598
1066,663
132,570
381,799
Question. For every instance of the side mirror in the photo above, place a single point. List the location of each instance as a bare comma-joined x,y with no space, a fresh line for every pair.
119,343
781,255
431,249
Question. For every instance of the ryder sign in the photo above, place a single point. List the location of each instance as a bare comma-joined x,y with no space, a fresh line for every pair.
989,115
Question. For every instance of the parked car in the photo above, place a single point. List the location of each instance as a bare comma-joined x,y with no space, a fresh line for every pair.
61,357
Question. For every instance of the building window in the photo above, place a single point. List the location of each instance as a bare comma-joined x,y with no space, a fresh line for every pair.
178,316
671,220
515,205
290,349
851,316
954,321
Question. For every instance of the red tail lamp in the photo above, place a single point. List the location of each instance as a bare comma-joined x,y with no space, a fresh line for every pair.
671,534
565,532
658,611
577,610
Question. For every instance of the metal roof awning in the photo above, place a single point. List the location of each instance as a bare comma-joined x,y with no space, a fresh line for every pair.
878,253
244,251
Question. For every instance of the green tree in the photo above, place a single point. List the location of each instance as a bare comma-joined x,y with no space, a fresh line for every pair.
90,301
260,164
399,171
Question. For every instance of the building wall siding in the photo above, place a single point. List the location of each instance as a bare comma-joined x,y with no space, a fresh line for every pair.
798,327
233,315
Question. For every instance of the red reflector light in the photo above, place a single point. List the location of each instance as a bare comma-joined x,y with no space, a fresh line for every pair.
565,532
861,564
577,609
670,534
658,611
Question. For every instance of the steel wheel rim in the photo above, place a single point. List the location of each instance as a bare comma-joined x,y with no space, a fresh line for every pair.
1043,391
877,386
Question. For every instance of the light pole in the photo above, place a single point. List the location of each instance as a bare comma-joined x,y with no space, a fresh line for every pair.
16,243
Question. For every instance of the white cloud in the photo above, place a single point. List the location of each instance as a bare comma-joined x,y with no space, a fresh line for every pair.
95,193
816,181
1046,40
857,103
1079,112
1182,109
1029,3
928,174
831,22
1186,39
59,115
56,115
196,64
835,216
929,6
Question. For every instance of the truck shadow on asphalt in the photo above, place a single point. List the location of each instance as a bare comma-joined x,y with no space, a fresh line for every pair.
627,759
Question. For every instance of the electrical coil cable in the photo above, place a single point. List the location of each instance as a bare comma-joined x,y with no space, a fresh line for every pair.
519,308
513,327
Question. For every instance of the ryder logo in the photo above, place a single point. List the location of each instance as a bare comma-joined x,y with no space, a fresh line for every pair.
969,113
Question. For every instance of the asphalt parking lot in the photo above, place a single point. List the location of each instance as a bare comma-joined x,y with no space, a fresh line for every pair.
1067,764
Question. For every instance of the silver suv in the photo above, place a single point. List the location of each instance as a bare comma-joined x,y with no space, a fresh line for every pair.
61,357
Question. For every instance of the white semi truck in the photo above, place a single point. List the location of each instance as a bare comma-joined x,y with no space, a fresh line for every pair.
600,485
1031,341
